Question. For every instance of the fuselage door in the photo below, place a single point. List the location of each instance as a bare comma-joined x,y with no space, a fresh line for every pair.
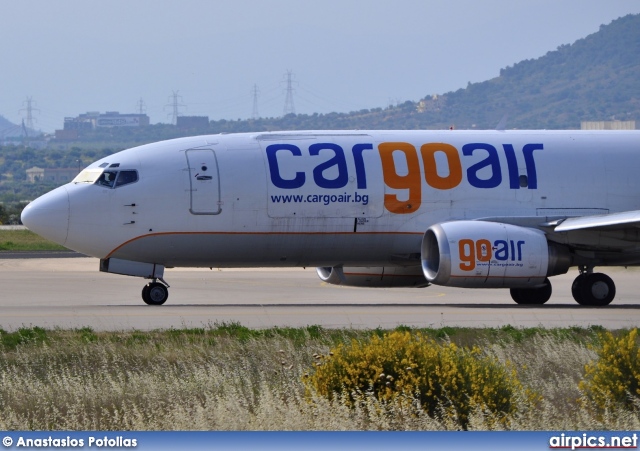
204,182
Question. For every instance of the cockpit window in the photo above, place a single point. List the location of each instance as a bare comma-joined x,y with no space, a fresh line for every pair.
108,178
126,177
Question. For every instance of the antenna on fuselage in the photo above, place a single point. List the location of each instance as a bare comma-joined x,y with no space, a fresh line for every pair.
502,124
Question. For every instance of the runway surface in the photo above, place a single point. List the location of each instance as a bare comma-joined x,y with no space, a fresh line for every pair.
70,292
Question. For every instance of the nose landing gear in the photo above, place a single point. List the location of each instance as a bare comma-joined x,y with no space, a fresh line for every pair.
592,288
155,293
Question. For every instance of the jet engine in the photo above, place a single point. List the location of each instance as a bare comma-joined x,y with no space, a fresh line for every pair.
481,254
376,277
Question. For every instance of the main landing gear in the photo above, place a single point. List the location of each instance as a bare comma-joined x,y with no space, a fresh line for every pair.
155,293
592,288
532,296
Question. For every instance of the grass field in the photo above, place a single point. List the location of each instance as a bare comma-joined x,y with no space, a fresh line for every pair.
26,240
229,377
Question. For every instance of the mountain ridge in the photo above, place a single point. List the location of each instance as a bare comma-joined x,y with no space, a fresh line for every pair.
593,79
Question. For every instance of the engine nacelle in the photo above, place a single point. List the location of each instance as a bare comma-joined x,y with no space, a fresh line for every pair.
375,277
479,254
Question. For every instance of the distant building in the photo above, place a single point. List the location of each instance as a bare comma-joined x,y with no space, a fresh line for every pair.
115,119
431,104
67,134
93,119
76,124
35,174
192,121
56,175
608,125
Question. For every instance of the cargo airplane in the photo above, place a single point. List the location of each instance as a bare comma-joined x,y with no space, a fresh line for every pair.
475,209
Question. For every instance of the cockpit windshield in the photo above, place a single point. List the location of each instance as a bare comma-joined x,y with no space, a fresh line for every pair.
107,178
88,176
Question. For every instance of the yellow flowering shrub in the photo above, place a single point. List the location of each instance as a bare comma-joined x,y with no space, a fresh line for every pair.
614,378
404,367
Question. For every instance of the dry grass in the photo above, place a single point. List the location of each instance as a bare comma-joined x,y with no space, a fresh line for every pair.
230,378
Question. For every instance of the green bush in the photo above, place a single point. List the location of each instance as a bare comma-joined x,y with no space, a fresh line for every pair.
614,378
403,367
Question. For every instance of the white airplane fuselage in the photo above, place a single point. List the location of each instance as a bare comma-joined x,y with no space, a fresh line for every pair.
345,199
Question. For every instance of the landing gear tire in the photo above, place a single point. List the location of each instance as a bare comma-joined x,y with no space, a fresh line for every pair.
155,293
576,286
532,296
594,290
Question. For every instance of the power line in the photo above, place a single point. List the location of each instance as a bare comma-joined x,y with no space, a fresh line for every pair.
175,105
254,92
29,110
141,107
289,107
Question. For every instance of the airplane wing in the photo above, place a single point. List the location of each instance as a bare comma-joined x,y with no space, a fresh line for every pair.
602,222
609,221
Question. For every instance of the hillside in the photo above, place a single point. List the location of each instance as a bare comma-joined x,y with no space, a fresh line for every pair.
595,78
8,129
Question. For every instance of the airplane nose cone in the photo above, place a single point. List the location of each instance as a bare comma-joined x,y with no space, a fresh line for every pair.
48,215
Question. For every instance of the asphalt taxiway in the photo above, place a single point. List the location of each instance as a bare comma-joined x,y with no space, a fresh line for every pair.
71,293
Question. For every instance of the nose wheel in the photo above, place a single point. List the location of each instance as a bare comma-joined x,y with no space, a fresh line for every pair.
155,293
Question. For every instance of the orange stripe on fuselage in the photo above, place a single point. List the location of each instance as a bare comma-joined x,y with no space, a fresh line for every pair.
492,277
378,275
255,233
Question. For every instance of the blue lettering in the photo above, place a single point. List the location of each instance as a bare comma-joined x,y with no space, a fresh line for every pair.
337,160
512,164
492,161
532,176
359,162
274,170
332,171
520,243
501,250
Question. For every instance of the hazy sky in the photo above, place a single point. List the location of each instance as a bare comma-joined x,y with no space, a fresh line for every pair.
74,56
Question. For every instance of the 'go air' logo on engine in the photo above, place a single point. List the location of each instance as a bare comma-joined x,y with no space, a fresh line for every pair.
482,251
